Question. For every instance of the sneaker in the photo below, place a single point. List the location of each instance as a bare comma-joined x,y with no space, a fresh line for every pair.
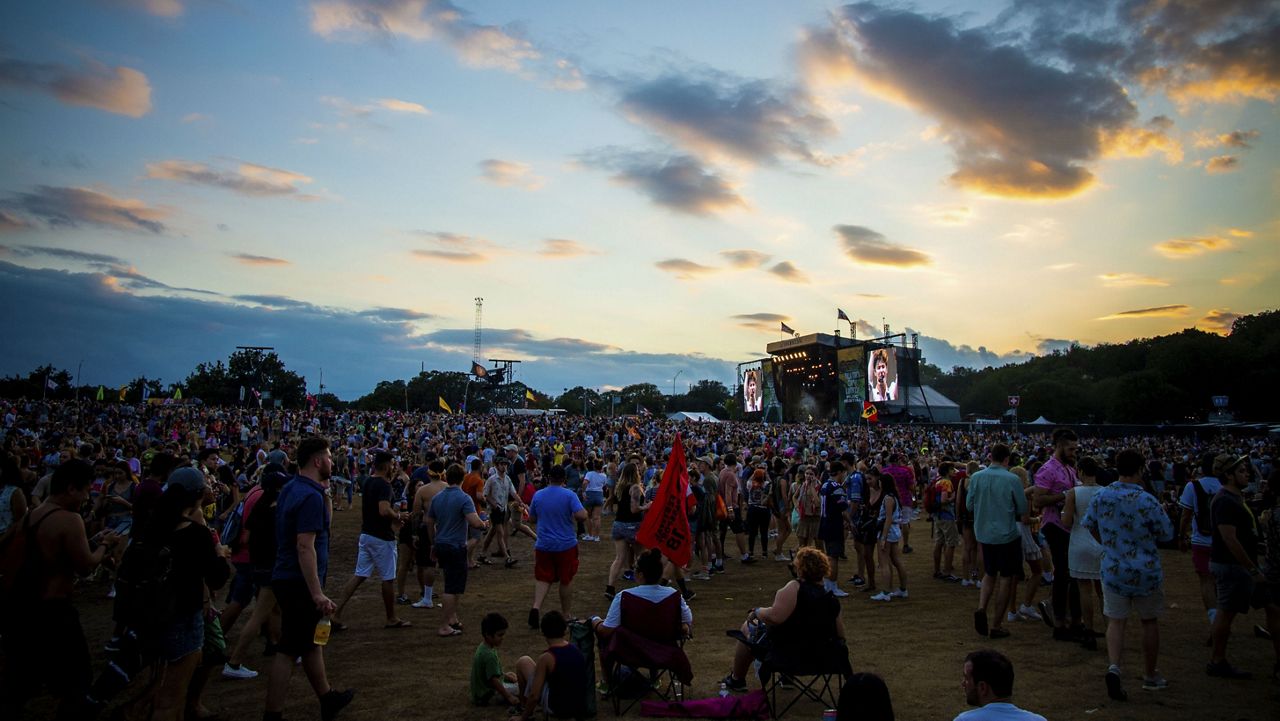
534,618
689,595
882,596
1115,688
900,593
333,702
628,575
423,603
747,560
1012,618
402,600
781,557
719,567
1029,613
858,581
1046,613
734,684
951,578
701,576
1223,669
1155,683
229,671
966,582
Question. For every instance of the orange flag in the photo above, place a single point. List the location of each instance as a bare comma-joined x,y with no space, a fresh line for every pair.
666,525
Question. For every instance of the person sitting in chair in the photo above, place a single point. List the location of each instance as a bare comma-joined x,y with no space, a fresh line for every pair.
802,629
645,624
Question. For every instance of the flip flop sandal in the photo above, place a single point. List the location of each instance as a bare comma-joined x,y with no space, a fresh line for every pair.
399,624
455,632
456,626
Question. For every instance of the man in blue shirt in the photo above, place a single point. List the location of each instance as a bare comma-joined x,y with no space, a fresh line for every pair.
1128,522
555,553
997,501
448,517
302,564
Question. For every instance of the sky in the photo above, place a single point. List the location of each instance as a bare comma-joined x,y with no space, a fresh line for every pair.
640,192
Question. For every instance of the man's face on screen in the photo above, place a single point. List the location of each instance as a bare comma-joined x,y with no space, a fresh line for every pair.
882,369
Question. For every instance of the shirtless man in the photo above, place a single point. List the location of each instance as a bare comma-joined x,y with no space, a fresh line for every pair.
43,640
422,552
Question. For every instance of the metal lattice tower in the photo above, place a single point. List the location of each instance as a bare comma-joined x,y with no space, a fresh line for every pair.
475,351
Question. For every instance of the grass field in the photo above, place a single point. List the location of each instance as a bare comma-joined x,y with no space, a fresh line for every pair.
917,645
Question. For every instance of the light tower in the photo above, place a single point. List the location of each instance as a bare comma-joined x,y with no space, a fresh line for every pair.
475,351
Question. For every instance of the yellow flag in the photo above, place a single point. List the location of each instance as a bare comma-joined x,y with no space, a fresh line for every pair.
444,406
101,393
123,389
177,394
528,394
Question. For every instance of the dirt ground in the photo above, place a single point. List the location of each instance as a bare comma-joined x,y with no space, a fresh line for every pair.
917,645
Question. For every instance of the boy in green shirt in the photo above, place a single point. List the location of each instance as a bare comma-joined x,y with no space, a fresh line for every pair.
487,679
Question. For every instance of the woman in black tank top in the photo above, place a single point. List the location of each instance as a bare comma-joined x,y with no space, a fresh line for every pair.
628,503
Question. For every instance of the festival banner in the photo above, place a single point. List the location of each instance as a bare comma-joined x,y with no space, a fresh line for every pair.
666,525
870,413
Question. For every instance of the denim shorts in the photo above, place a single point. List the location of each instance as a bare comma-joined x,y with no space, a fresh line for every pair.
624,531
594,498
183,636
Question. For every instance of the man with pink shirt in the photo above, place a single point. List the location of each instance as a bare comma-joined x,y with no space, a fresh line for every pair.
1053,481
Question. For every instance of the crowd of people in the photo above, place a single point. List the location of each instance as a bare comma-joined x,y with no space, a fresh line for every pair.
195,516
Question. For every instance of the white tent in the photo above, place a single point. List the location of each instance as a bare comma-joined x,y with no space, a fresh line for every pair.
1041,421
692,416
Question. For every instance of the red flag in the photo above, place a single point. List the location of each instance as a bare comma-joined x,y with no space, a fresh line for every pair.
666,525
870,412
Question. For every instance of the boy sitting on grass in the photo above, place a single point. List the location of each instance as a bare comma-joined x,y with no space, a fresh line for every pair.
558,681
487,679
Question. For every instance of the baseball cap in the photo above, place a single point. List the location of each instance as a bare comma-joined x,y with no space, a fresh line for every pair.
511,447
186,477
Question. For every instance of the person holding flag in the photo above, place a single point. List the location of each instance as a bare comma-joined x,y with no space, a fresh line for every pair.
666,525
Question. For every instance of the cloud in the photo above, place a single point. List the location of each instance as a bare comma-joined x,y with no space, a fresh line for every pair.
677,182
719,117
195,118
75,207
1139,142
1057,267
476,45
945,354
402,106
1131,280
274,301
68,254
454,248
1160,311
1038,231
10,223
684,269
946,214
760,321
743,259
159,8
1218,321
787,271
1019,126
250,179
1189,247
121,278
1222,164
510,174
565,248
259,260
1239,233
395,314
1240,139
1045,346
119,90
870,296
864,245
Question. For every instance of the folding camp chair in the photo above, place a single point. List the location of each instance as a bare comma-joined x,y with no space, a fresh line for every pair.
653,651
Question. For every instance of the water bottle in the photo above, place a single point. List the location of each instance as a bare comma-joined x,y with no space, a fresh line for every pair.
724,689
321,637
677,689
829,715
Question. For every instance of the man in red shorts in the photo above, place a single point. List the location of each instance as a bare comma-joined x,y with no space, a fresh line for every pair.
555,509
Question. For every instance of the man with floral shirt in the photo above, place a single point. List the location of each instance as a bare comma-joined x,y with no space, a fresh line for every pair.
1128,522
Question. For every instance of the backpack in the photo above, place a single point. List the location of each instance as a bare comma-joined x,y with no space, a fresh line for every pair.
1204,520
232,528
145,599
932,499
19,559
